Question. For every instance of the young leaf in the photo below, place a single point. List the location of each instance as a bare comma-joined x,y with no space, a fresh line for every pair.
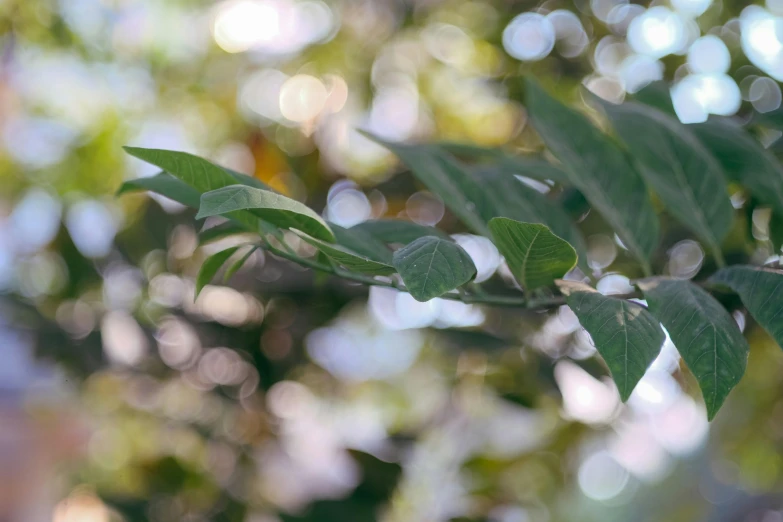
703,332
534,254
362,242
624,333
166,185
353,261
599,169
274,208
511,198
431,266
446,177
679,169
397,230
239,263
210,267
744,160
758,288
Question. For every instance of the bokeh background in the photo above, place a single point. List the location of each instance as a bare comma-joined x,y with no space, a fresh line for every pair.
283,396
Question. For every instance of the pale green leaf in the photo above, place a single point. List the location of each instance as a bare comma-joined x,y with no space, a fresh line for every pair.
758,288
353,261
397,230
744,160
432,266
599,169
269,206
704,333
210,267
166,185
626,335
678,168
535,256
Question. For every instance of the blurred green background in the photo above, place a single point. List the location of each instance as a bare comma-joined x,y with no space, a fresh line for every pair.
284,396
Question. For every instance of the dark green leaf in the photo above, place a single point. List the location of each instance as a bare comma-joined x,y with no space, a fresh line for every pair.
624,333
530,166
511,198
744,160
678,168
534,254
238,264
704,333
229,228
758,288
397,230
656,94
353,261
447,178
269,206
166,185
431,266
599,169
362,242
210,267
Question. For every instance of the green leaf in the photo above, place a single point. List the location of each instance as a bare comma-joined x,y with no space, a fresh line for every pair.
446,177
397,230
626,335
744,160
210,267
166,185
530,166
703,332
362,242
679,169
274,208
599,169
511,198
234,268
758,288
229,228
657,94
534,254
431,266
353,261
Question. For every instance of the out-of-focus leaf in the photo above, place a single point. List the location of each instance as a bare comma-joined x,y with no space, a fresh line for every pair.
473,339
626,335
362,242
656,94
269,206
446,178
534,254
704,333
758,288
229,228
397,230
239,263
210,267
351,260
679,169
744,160
166,185
599,169
431,266
511,198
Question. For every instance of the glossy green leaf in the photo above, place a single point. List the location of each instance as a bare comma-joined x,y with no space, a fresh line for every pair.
511,198
597,166
397,230
534,254
166,185
239,263
353,261
758,288
211,266
678,168
744,160
446,177
362,242
704,333
431,266
626,335
269,206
